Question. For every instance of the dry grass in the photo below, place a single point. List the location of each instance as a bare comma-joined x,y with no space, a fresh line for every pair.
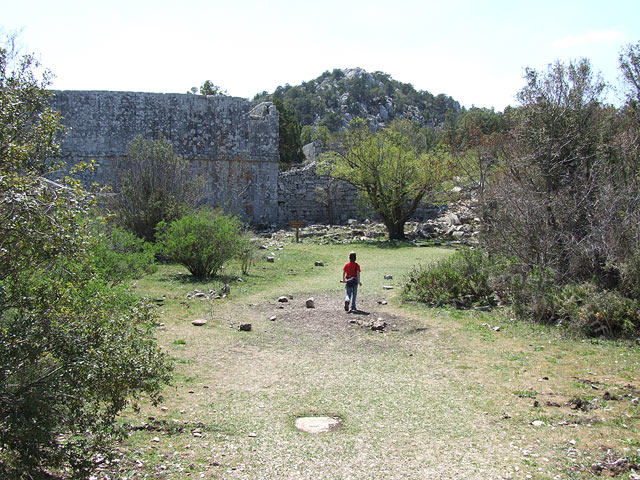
437,395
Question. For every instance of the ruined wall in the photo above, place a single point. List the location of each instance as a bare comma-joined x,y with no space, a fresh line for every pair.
305,195
236,147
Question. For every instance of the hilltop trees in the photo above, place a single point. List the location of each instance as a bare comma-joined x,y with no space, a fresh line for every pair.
73,350
334,98
393,169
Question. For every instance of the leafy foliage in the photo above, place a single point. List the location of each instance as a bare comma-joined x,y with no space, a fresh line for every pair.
208,89
73,350
152,184
468,277
119,255
289,144
394,169
555,183
202,241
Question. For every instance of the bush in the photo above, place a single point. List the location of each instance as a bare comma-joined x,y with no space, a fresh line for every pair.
595,312
246,252
532,296
152,184
467,277
202,241
73,349
119,255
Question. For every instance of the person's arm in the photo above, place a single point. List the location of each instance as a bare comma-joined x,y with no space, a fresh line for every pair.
359,282
344,275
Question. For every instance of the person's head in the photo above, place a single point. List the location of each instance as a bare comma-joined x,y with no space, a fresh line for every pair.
352,256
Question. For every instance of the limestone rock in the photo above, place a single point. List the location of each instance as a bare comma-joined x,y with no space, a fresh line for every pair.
317,424
378,325
198,323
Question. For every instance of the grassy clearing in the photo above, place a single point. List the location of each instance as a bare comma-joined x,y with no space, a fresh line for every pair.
439,394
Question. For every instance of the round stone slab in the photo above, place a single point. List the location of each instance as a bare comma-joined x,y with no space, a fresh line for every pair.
317,424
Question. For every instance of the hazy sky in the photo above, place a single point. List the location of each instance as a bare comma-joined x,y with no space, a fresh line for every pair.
475,51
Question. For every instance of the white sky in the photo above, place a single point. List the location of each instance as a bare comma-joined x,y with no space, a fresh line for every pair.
474,51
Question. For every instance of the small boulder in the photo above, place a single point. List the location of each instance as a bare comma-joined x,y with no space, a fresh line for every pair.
388,277
273,318
319,264
283,299
198,323
378,325
244,327
310,303
387,287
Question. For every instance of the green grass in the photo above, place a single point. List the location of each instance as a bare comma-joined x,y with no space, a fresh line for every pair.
438,395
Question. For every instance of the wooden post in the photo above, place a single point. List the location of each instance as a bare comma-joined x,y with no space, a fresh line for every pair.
297,224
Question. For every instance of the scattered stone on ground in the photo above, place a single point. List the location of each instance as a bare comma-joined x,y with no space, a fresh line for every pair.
199,322
378,324
382,302
317,424
271,259
310,303
319,264
283,299
387,287
226,289
538,423
388,277
244,327
494,328
272,318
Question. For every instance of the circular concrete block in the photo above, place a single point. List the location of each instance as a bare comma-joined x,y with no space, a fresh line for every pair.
317,424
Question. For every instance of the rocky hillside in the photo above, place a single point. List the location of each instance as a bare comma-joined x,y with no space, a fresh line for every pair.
334,98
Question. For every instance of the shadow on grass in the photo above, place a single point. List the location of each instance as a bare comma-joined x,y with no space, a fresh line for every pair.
188,279
398,244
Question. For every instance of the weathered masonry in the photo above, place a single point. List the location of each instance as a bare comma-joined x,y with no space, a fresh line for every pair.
236,147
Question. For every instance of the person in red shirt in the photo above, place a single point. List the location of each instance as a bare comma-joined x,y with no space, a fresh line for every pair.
351,277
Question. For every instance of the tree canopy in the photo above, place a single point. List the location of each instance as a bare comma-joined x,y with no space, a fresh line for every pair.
73,349
394,169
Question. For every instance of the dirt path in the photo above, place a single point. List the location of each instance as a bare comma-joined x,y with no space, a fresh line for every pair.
432,395
407,409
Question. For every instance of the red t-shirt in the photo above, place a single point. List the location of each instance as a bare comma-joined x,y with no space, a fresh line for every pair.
351,269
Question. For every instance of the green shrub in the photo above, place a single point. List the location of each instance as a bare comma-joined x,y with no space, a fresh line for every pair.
467,277
532,296
73,349
202,241
119,255
630,284
595,312
246,252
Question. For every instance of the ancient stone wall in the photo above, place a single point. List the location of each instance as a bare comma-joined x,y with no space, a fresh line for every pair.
234,145
303,194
